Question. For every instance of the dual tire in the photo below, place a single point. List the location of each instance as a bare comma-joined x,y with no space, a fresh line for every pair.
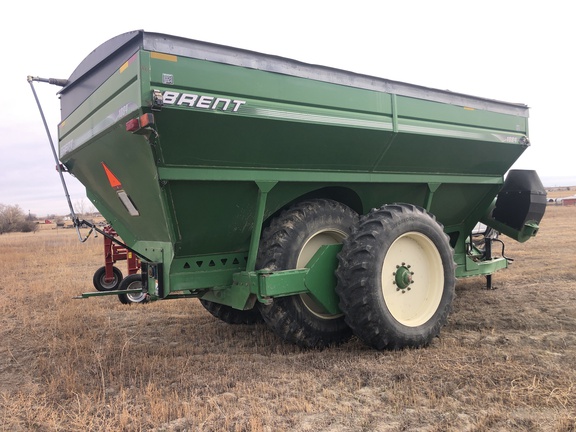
395,276
230,315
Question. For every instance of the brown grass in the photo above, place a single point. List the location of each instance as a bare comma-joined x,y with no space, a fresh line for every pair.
506,360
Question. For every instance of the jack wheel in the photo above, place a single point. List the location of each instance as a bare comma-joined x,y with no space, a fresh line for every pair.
132,282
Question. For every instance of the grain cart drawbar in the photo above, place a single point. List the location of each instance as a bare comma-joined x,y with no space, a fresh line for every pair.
322,201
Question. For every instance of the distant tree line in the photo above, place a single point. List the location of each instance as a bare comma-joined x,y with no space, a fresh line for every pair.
13,219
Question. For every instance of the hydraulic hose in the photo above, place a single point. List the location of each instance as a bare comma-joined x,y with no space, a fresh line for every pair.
59,82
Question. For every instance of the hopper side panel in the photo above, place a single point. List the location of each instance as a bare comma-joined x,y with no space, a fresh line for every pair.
95,135
227,116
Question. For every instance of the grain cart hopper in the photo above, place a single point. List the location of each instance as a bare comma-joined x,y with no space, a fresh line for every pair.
322,201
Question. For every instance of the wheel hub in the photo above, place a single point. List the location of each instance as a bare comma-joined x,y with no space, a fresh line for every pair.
403,277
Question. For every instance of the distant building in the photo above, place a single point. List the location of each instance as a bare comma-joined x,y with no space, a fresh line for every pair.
569,201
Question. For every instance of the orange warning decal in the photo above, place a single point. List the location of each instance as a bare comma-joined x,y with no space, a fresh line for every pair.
114,182
162,56
128,63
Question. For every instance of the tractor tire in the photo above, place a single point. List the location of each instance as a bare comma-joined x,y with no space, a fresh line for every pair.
396,277
99,279
289,242
232,316
130,282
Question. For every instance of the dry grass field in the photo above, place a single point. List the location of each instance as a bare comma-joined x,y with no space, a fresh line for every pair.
506,361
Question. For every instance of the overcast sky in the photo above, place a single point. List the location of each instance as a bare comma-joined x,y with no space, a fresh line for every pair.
511,50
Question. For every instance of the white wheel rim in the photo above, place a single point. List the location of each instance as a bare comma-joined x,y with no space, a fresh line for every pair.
311,246
413,299
136,297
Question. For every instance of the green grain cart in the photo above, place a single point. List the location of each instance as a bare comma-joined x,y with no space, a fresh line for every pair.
324,202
